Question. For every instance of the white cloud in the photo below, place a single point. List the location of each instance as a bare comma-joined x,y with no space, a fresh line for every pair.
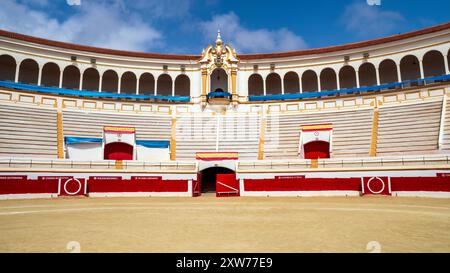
250,41
102,24
369,21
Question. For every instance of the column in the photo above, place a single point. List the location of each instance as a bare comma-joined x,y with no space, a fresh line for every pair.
173,87
300,84
319,84
338,82
81,80
16,77
100,83
264,86
282,85
138,87
61,78
377,73
357,79
447,70
39,76
399,73
156,86
421,69
119,84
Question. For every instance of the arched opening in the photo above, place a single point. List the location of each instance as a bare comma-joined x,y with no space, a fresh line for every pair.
182,86
7,68
347,77
410,68
128,83
118,151
309,81
291,83
110,81
388,72
71,77
367,75
219,80
50,75
448,59
164,85
147,84
328,80
317,149
433,64
208,177
91,79
273,84
255,85
29,71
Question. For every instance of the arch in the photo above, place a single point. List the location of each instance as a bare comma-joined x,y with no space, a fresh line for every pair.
410,68
309,81
147,84
29,71
317,149
291,83
50,75
128,83
347,77
118,151
367,74
433,64
388,71
448,60
182,85
7,68
328,79
164,85
110,81
273,84
91,80
71,77
219,80
208,177
255,85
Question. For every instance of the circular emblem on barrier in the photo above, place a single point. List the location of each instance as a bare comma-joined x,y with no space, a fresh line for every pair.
74,192
370,189
316,133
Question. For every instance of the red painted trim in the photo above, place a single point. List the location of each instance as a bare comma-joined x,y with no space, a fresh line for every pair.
394,38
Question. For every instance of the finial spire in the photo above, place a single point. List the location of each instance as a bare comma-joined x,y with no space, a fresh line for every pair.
219,38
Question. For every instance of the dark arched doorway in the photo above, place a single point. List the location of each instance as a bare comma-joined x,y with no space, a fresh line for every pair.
219,80
208,177
317,149
118,151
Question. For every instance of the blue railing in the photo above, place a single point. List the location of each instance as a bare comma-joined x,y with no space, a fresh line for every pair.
219,94
308,95
91,94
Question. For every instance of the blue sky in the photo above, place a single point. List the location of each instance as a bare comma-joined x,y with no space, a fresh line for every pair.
187,26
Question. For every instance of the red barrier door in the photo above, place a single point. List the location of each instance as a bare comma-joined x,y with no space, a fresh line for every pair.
376,185
227,185
72,187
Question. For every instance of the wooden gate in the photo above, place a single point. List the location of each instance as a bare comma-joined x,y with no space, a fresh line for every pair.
227,185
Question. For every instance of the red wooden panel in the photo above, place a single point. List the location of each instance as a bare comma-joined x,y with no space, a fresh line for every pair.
227,185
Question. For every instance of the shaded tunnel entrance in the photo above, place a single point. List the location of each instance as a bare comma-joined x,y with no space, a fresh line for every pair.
208,178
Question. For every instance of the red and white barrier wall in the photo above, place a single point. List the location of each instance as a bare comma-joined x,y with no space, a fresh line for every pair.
411,183
22,186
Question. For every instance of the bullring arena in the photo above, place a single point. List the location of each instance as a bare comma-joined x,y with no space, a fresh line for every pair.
336,149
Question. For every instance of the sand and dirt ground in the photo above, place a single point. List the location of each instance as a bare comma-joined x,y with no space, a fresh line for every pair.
209,224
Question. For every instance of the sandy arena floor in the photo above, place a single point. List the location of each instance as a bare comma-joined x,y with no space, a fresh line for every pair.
209,224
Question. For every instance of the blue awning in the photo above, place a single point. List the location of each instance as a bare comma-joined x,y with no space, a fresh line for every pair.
308,95
153,143
93,94
219,94
74,140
